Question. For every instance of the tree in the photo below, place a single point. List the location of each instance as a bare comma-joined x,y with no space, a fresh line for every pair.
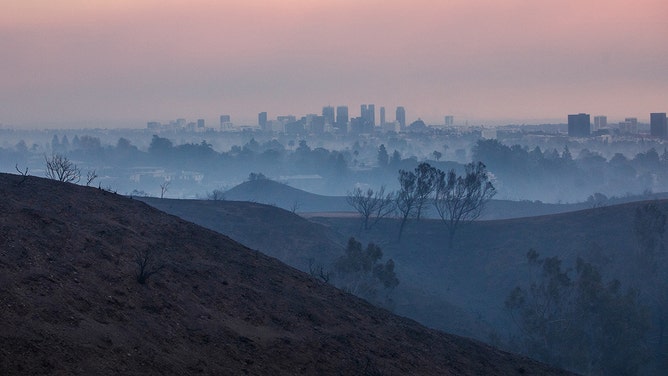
147,265
460,199
370,203
415,189
437,154
59,167
361,272
383,157
163,188
90,176
579,321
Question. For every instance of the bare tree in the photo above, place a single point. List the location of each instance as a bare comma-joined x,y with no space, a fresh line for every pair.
462,198
147,264
60,168
163,188
296,205
318,271
24,174
415,189
371,204
90,176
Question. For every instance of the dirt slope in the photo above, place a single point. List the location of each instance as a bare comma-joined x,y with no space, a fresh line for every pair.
70,302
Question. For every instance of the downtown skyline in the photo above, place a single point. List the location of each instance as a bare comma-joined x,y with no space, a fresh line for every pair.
92,63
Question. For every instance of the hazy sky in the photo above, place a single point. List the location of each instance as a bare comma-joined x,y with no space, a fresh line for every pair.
126,62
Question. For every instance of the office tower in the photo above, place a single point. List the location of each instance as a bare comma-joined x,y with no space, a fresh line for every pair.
382,115
368,114
341,115
600,122
449,120
200,124
401,117
657,124
262,120
328,114
579,125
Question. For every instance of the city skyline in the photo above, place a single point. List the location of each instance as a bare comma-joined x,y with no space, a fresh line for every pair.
123,63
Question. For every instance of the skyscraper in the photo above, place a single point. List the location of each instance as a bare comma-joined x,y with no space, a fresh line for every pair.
382,115
600,122
328,114
401,117
341,115
657,124
449,120
262,120
368,114
579,125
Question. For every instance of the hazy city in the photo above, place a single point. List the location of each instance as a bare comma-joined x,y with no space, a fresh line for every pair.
333,187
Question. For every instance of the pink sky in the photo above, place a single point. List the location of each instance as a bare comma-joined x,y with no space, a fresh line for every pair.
126,62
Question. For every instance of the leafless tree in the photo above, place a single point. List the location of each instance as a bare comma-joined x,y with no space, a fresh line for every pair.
24,174
90,176
147,264
296,205
371,204
462,198
163,188
318,271
60,168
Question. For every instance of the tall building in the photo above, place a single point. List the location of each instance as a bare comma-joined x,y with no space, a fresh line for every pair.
368,114
341,115
401,117
600,122
262,120
449,120
657,124
200,124
328,114
382,116
579,125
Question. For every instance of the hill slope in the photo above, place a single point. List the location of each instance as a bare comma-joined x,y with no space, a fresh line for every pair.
71,303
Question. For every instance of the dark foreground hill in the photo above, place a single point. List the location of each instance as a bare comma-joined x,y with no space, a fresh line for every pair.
71,304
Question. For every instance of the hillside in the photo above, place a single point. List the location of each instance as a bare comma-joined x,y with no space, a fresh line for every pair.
71,303
271,192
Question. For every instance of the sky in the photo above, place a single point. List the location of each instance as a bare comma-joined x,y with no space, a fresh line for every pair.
122,63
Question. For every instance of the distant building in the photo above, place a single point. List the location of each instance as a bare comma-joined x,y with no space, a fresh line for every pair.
368,114
630,125
600,122
657,124
382,116
328,114
449,120
401,117
262,121
200,124
341,115
579,125
225,122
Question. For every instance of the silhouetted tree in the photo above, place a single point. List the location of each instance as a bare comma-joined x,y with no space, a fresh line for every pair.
579,323
461,199
370,204
59,167
383,157
361,272
163,188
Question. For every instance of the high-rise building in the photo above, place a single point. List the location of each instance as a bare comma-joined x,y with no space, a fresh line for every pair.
600,122
200,124
401,117
382,116
449,120
341,115
579,125
368,114
657,124
262,120
328,114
